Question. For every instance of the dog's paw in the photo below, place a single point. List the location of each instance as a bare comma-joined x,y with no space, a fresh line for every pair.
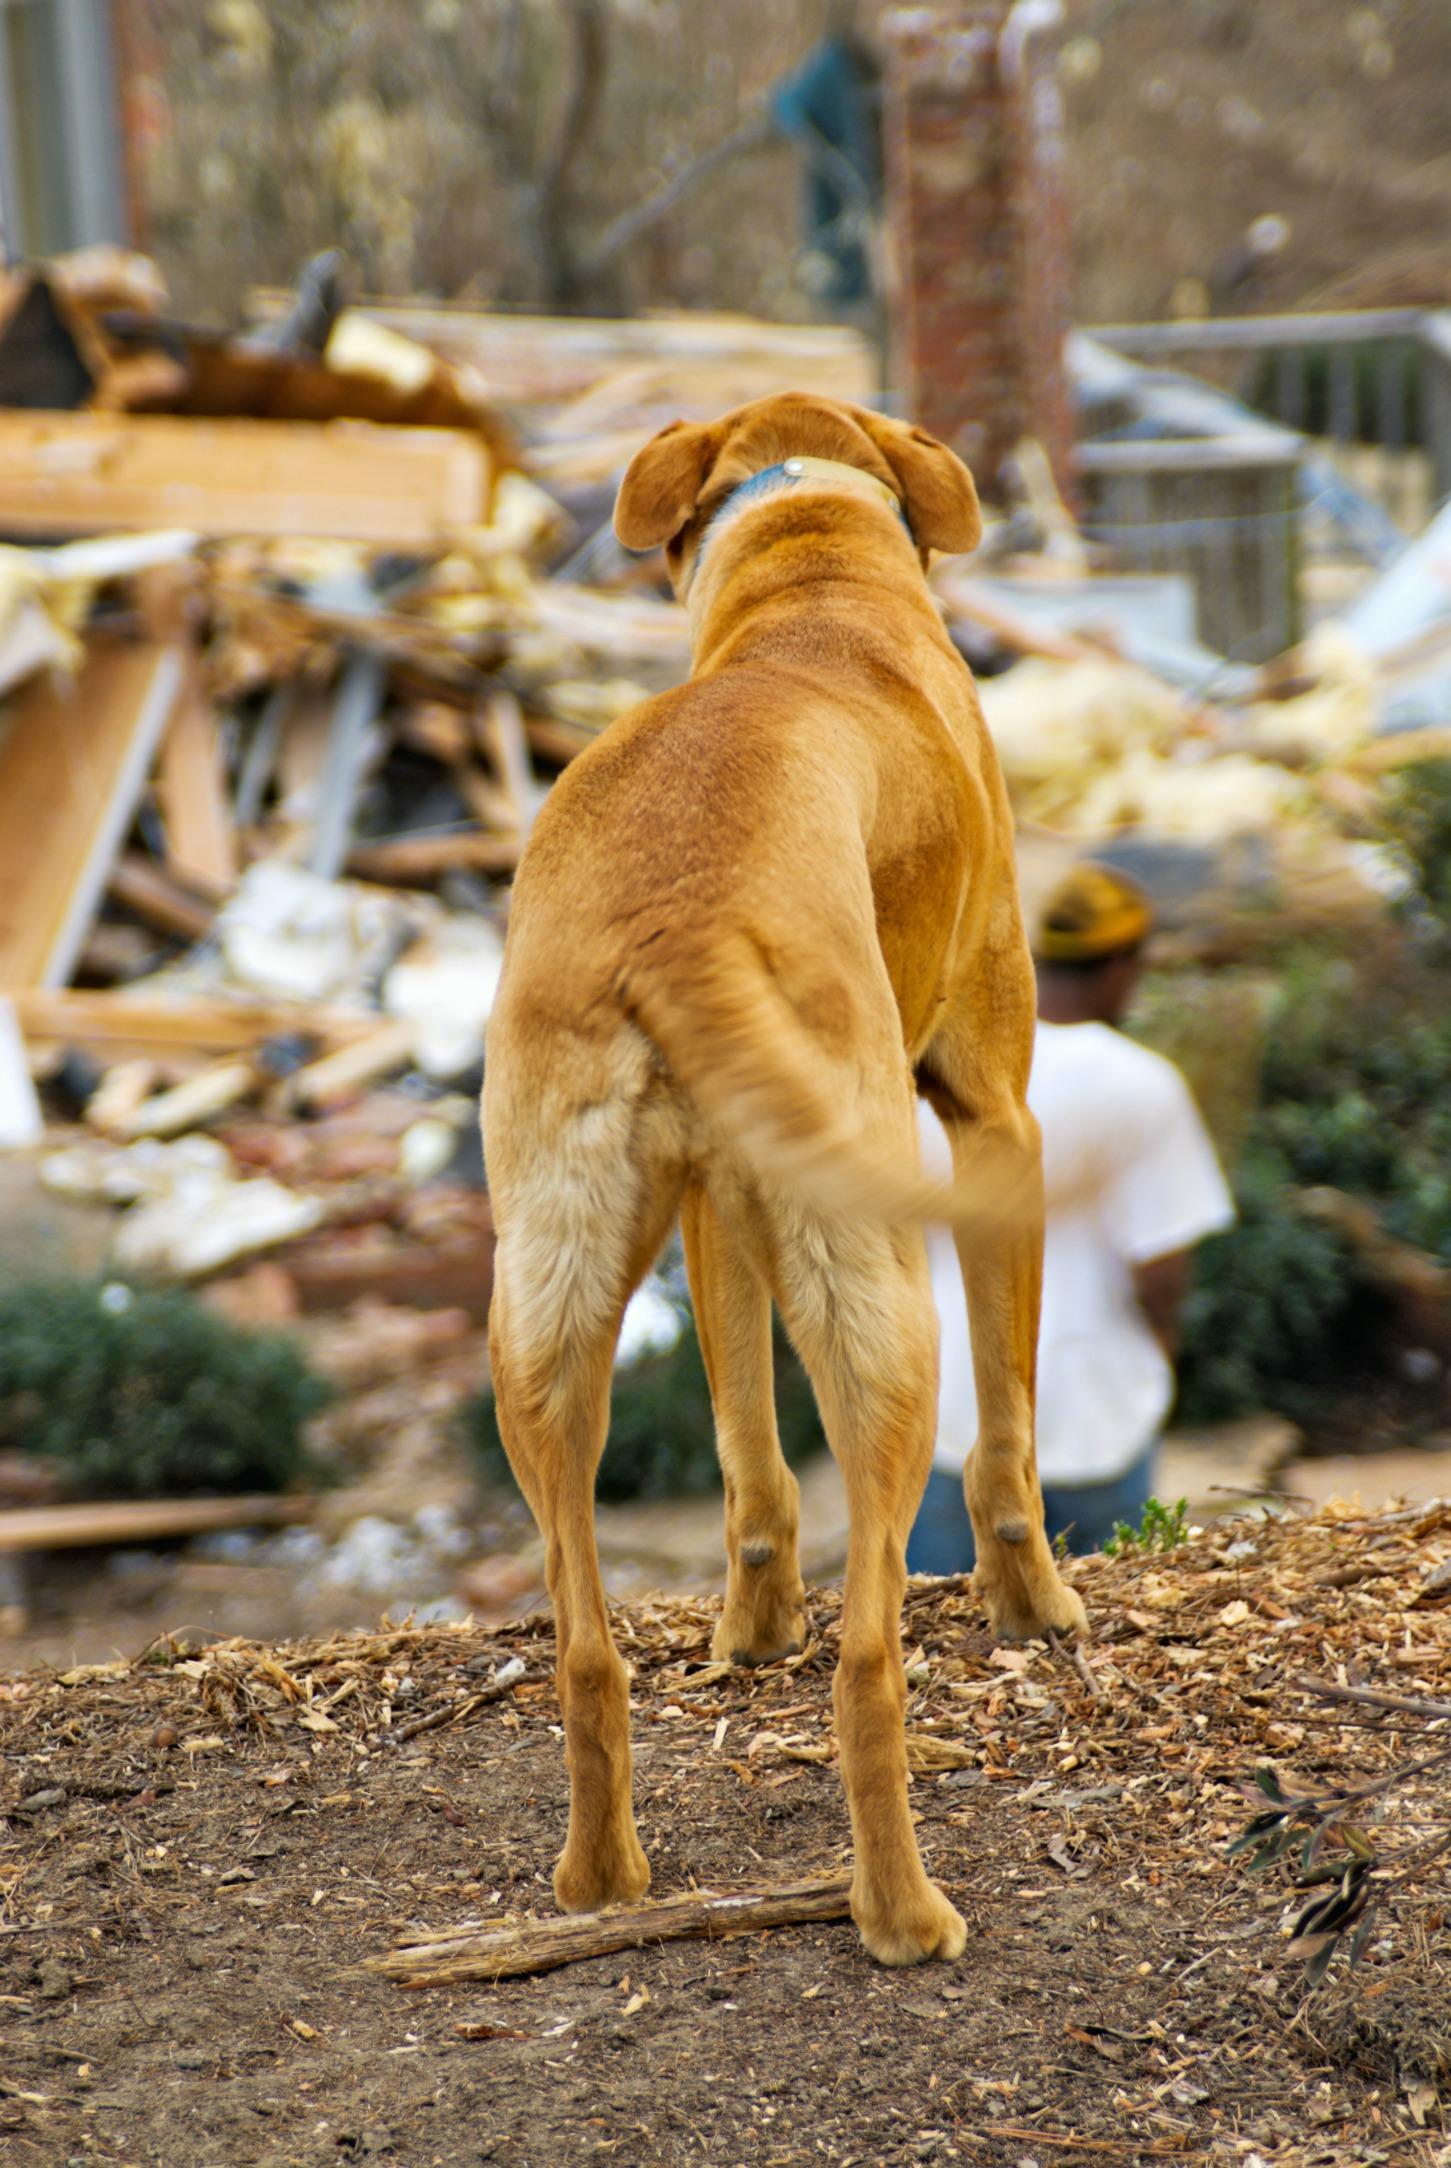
751,1642
925,1928
614,1874
1027,1605
764,1616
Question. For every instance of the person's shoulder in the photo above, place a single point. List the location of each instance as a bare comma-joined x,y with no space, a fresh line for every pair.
1098,1058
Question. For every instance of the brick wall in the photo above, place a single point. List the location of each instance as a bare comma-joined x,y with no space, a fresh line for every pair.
977,230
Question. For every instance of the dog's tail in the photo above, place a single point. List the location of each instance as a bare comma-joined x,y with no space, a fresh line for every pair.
739,1049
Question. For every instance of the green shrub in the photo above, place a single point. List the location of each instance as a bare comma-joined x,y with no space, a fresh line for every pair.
1417,823
662,1436
1354,1091
1276,1312
140,1394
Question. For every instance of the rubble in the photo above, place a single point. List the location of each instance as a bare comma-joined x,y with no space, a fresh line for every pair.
271,754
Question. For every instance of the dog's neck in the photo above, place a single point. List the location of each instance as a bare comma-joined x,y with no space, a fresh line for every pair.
729,552
792,473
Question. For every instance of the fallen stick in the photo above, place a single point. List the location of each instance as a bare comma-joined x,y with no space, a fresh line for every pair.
1168,2148
503,1953
453,1712
1405,1704
1073,1656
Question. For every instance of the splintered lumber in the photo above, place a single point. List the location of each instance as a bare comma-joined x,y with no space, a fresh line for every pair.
557,741
201,843
141,1520
89,473
360,696
200,1099
339,1076
153,895
502,1953
499,731
73,762
405,860
198,1023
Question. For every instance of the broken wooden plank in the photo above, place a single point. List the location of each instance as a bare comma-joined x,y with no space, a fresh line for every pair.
557,741
337,1077
73,762
403,861
360,696
201,842
153,895
499,732
504,1952
141,1520
190,1105
198,1023
301,759
191,783
88,473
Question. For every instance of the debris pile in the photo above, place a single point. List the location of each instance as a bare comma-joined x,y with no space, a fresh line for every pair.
297,624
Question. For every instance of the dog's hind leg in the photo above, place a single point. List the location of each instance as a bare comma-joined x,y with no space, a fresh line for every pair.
858,1304
764,1615
562,1277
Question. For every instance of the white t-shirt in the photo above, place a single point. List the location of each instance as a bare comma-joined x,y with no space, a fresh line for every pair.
1125,1143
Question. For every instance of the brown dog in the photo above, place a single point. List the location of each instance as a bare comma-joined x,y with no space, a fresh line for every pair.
753,919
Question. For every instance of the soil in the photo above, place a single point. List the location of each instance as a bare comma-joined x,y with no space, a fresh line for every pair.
204,1847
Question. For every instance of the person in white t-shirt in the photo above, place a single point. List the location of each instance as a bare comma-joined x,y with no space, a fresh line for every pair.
1126,1150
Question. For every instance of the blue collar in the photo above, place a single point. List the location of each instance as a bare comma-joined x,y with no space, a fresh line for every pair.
809,469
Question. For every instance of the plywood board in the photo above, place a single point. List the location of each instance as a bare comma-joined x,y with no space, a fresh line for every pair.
73,760
90,473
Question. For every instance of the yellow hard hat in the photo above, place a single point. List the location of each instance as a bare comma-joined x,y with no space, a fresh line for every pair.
1093,912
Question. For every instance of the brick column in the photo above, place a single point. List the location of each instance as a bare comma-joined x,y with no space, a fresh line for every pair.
977,225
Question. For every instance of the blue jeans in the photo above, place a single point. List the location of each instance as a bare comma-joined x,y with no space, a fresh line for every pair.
941,1538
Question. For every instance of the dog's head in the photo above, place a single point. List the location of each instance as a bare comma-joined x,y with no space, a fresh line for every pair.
677,482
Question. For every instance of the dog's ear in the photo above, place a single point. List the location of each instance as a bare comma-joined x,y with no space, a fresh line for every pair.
937,490
661,485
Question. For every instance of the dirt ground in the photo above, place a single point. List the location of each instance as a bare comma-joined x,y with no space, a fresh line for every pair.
204,1847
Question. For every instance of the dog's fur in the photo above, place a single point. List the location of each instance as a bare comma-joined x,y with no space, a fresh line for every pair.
754,919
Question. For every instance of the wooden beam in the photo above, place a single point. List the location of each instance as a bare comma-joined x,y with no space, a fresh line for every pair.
141,1520
144,888
91,473
201,842
73,762
197,1024
423,858
348,1070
